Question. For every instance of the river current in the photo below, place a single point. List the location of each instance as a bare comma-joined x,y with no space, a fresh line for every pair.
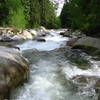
57,72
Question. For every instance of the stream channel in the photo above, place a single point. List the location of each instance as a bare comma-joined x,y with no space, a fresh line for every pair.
58,72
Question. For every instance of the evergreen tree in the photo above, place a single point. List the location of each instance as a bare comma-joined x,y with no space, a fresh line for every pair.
47,13
16,14
4,12
34,13
83,15
27,13
64,16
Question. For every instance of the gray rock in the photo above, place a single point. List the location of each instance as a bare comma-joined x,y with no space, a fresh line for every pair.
9,45
13,71
88,42
5,38
72,41
40,39
85,83
66,33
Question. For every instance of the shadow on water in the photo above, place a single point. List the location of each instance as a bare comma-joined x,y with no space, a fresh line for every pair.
78,58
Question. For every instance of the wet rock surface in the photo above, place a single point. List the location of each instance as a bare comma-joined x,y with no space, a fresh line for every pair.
86,84
88,44
14,71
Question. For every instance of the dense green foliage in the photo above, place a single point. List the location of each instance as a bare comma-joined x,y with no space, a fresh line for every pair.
65,20
16,14
47,13
28,13
83,15
3,16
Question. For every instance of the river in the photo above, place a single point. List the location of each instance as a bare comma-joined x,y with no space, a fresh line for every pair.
57,72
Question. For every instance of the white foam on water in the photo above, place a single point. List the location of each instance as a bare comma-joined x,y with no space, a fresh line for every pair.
72,71
53,41
42,85
45,81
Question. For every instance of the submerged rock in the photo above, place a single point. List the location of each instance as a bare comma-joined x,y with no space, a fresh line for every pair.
87,85
78,58
13,71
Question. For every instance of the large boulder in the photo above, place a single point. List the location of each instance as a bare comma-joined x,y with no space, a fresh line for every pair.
88,42
71,33
14,71
26,35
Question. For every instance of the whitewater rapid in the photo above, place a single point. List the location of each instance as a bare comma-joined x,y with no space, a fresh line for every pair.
51,72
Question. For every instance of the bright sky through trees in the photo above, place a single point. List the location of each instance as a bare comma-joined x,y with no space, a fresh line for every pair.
60,5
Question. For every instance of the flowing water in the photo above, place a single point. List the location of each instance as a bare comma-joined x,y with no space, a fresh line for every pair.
57,72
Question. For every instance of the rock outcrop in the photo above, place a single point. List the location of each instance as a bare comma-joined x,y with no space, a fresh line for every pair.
88,42
14,70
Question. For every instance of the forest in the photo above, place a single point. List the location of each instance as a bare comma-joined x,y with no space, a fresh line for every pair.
83,15
27,13
46,56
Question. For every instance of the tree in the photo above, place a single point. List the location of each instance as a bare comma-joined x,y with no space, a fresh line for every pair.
64,16
35,13
4,12
83,15
47,13
27,13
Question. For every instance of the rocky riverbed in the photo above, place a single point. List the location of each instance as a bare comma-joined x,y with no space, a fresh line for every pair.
57,72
